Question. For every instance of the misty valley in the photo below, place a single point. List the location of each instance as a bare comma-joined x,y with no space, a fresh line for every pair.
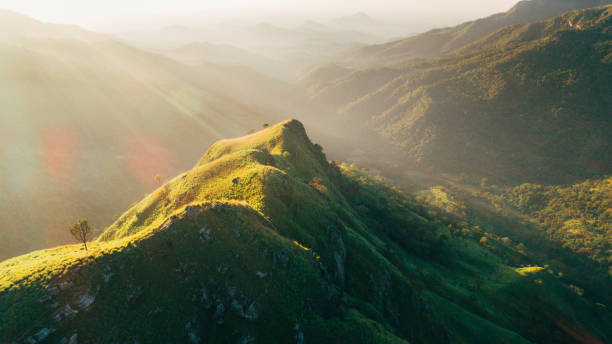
261,176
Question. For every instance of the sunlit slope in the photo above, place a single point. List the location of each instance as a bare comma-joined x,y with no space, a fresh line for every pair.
439,42
86,124
578,216
527,103
265,240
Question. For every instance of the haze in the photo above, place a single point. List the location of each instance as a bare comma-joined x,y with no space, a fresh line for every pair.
115,14
306,171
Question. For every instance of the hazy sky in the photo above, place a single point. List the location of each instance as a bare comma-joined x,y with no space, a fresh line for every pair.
93,13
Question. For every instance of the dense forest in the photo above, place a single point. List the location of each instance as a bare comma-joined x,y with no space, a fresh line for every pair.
579,216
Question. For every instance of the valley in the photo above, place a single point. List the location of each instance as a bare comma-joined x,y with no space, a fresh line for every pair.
300,178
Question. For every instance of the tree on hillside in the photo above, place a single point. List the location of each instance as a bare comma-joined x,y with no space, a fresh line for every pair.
265,125
81,231
158,178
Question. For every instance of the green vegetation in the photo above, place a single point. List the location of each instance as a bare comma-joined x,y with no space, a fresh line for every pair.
82,232
528,270
440,42
528,103
266,240
578,216
87,122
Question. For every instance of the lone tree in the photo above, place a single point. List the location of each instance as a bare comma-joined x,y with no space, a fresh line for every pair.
265,125
81,231
158,178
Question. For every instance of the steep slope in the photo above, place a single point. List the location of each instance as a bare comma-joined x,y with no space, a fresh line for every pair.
78,115
443,41
578,216
264,241
528,103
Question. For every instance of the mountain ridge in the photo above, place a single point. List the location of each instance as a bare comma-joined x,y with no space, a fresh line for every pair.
439,42
266,240
506,103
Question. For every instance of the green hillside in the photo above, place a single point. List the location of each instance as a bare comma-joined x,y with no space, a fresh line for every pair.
440,42
87,122
578,216
527,103
264,240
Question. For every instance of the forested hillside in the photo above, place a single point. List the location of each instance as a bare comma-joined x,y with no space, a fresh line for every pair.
264,240
443,41
528,103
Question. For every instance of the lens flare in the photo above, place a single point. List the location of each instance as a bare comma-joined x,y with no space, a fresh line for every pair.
146,155
60,151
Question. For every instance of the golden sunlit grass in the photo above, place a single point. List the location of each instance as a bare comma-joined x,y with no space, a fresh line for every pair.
528,270
254,207
300,246
232,170
57,261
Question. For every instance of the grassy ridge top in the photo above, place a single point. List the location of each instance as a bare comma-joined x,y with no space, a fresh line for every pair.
265,240
237,169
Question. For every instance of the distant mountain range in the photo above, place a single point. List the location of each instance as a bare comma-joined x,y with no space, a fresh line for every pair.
526,103
443,41
291,49
358,19
14,25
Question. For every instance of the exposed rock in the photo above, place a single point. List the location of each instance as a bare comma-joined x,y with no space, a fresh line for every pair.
339,255
155,312
86,300
66,313
252,313
261,274
237,308
134,294
205,233
339,268
206,299
219,315
231,291
299,335
336,238
44,298
222,268
282,257
54,304
65,285
39,336
74,339
380,288
192,332
53,291
108,273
